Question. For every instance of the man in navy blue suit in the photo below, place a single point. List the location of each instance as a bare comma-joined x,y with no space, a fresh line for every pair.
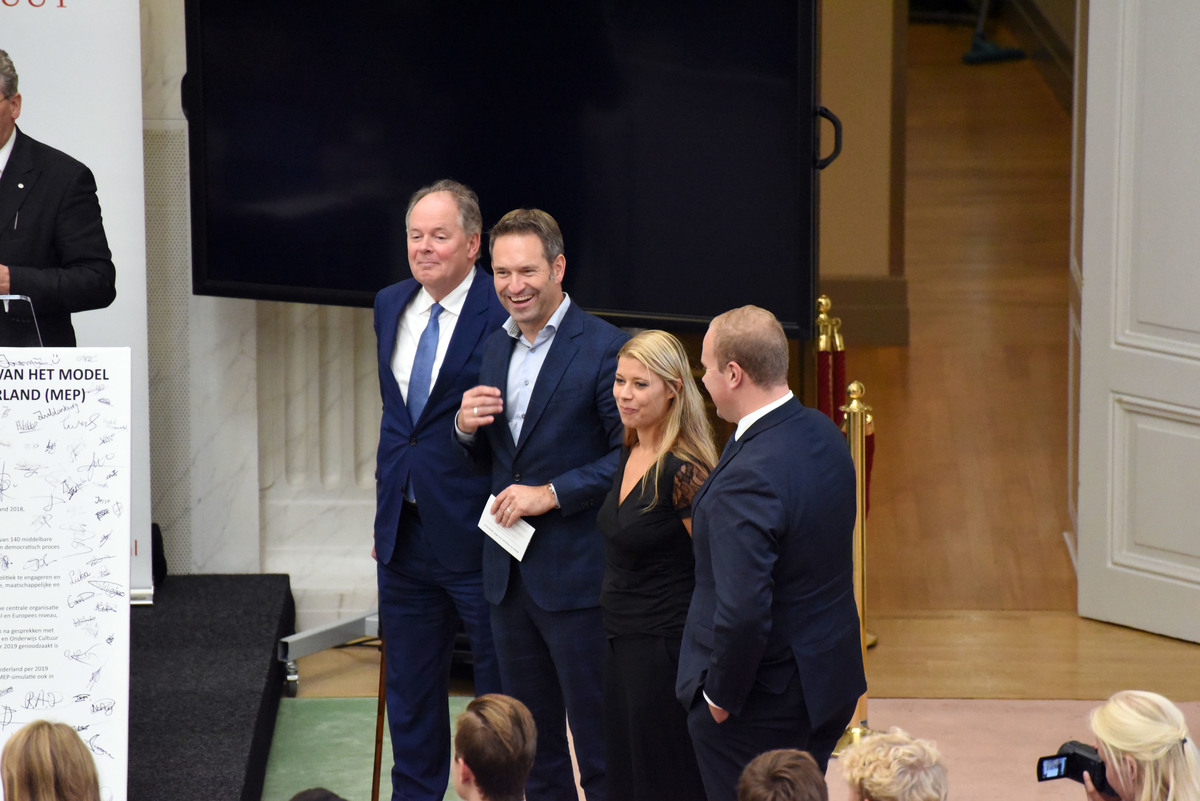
771,655
431,330
52,244
545,422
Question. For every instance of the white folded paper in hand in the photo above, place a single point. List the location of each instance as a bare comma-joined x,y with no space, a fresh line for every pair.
514,539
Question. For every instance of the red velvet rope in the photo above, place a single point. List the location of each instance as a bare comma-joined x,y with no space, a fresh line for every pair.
839,384
825,385
870,457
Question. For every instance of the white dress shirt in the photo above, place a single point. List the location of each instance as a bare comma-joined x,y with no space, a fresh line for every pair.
413,320
6,151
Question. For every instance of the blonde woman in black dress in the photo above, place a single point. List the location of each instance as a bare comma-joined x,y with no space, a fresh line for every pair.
649,574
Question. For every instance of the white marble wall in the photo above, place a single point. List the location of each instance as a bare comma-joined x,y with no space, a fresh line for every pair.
263,416
319,414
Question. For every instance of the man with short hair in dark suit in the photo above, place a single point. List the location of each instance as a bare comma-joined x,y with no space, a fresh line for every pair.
431,329
544,420
771,654
52,244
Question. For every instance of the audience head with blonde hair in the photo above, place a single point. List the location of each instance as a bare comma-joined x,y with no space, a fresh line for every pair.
782,775
45,761
494,749
1147,751
892,766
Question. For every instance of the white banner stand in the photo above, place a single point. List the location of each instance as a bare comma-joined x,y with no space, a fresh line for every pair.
65,488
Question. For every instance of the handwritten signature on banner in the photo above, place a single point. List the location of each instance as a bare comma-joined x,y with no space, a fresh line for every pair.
64,489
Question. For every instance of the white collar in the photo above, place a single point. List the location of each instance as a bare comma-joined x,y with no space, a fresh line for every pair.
514,328
758,414
453,302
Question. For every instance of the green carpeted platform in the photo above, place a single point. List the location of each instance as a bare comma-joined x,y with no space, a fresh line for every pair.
330,742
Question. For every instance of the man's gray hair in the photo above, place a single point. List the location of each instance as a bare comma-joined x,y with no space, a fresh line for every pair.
8,76
469,216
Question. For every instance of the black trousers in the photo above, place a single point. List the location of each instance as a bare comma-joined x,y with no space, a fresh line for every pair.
767,722
649,752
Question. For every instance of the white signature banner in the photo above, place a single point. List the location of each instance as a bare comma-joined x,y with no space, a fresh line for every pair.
65,459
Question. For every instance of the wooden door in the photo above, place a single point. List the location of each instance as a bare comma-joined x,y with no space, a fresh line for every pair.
1139,390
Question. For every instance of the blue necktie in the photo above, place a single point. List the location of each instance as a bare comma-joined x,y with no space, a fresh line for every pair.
422,369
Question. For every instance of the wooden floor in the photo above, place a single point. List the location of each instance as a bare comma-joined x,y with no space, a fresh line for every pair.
969,493
970,586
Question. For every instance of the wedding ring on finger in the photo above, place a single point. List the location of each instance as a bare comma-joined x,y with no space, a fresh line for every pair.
475,410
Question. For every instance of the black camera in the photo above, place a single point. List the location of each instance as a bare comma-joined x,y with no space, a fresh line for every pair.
1071,761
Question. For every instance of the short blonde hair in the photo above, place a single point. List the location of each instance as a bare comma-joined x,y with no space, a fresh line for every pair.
893,766
46,761
1151,731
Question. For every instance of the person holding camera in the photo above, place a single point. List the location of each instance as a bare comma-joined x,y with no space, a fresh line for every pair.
1148,754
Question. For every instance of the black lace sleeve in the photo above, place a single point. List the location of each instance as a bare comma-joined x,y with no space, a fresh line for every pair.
688,479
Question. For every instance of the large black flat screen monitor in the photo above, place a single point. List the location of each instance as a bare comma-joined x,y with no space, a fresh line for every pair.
674,143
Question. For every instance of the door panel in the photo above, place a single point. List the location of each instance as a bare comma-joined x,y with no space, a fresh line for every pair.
1139,396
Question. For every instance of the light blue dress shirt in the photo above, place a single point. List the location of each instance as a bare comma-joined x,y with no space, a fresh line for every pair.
525,364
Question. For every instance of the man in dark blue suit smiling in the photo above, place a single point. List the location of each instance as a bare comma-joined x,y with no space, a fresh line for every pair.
431,329
771,654
544,420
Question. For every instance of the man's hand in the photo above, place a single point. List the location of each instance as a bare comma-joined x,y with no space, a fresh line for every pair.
719,715
480,405
518,500
5,280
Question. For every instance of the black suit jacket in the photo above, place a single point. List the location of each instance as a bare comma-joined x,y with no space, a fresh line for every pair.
52,241
773,535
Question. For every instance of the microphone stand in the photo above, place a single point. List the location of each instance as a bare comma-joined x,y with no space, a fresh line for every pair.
32,316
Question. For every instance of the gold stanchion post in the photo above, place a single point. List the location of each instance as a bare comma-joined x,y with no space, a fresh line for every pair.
856,433
825,392
824,324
